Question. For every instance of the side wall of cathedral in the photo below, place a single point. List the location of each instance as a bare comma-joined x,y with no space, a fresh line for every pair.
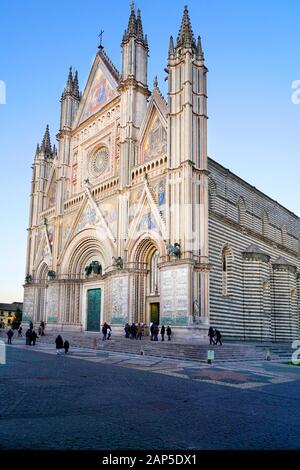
255,263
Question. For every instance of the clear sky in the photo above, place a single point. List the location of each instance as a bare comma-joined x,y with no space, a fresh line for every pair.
253,56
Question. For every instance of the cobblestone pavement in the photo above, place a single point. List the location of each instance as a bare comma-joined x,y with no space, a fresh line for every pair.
94,400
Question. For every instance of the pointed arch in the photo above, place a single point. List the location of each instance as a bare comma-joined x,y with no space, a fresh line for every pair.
265,224
212,194
284,235
227,270
241,206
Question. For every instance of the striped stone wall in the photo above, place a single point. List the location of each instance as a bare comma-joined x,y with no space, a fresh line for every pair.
260,237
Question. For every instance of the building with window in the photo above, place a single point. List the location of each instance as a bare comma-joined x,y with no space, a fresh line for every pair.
131,221
10,312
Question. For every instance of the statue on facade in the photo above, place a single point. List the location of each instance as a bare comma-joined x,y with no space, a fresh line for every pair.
118,262
94,267
174,250
28,279
196,312
51,275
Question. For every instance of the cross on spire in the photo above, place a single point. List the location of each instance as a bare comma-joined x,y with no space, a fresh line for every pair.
101,39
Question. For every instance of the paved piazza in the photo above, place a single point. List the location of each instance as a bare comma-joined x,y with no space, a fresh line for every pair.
94,400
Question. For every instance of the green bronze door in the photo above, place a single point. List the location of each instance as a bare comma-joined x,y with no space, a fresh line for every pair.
93,310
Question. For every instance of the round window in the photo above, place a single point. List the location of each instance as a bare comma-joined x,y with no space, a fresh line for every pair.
98,162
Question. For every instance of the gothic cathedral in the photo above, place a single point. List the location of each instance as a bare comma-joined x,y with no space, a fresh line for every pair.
130,221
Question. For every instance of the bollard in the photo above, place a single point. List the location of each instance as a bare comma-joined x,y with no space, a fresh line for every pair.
210,357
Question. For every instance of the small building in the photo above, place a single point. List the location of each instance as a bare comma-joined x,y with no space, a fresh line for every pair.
9,312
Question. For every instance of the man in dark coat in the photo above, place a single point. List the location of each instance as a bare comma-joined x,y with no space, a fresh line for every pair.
104,331
33,337
211,334
218,337
163,332
169,332
10,334
156,332
59,344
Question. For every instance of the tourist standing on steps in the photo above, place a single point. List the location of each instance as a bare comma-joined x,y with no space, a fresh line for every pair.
20,332
31,325
156,331
59,344
211,334
133,330
10,334
218,337
152,331
169,332
163,332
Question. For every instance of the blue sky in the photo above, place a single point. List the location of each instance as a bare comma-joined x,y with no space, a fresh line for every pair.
252,53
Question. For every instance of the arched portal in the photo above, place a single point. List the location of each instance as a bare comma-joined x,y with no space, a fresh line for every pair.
41,303
147,281
84,288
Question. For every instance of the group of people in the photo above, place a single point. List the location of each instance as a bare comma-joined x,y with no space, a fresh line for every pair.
62,347
138,330
106,332
30,335
215,336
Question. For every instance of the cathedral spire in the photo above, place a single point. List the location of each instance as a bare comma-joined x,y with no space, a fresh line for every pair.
69,87
186,36
199,48
46,143
139,26
75,87
171,46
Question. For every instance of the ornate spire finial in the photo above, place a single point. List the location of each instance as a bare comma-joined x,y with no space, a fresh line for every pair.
186,35
199,48
155,82
46,144
132,6
171,46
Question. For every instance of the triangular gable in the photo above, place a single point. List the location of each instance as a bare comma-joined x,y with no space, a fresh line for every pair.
43,252
100,89
153,136
147,219
88,216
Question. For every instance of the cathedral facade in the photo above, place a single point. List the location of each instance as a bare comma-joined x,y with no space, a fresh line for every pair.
131,221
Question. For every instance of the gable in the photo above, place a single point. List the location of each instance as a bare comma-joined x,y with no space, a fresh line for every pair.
154,143
101,88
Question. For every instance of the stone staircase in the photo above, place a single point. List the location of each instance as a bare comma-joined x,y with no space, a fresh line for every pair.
229,352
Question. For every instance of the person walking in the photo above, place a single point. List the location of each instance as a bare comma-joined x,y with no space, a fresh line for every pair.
59,343
20,332
66,346
133,330
211,334
10,334
42,327
169,332
218,337
163,332
31,325
104,331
